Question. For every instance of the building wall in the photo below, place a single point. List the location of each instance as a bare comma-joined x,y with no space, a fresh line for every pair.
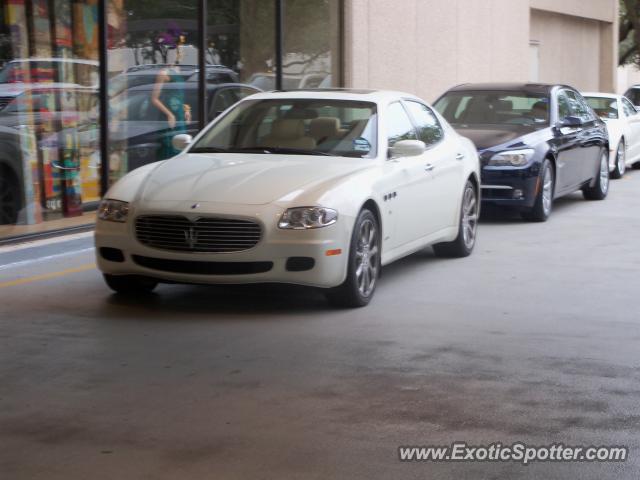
569,49
427,46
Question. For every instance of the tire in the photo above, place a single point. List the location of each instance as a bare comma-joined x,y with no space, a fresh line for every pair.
543,204
364,265
463,244
621,158
600,189
9,198
130,284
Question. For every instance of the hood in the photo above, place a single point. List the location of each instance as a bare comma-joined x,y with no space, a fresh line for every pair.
490,136
248,179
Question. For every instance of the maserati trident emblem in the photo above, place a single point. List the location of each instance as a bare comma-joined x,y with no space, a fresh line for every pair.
191,237
195,205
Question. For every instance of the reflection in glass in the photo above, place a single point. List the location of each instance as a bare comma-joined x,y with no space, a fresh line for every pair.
49,160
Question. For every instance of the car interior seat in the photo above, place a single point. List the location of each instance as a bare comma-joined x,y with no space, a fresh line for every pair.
325,129
289,133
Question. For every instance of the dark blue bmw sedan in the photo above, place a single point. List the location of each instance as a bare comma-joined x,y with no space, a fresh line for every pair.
537,142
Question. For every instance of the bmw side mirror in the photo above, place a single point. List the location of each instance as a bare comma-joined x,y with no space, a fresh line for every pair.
181,141
407,148
572,122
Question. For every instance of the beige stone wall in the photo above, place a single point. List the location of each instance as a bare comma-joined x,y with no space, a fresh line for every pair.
426,46
569,49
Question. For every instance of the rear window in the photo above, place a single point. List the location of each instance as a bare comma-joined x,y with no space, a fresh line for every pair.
604,107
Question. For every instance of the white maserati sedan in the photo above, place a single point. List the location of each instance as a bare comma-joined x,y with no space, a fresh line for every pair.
623,126
318,188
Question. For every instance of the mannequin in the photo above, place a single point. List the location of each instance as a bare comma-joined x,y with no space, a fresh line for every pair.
172,103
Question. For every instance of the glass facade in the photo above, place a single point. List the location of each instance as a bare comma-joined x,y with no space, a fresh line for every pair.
53,167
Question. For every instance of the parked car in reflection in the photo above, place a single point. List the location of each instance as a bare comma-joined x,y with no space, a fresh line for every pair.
140,132
267,81
537,142
319,188
623,125
147,74
22,75
49,103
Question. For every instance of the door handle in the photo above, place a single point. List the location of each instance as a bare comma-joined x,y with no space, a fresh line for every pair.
460,156
428,167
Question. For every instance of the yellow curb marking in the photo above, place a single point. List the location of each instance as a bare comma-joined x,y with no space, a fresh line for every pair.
47,276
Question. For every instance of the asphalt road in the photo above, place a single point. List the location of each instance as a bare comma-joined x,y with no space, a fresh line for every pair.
534,338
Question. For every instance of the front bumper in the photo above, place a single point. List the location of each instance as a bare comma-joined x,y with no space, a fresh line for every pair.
510,186
264,263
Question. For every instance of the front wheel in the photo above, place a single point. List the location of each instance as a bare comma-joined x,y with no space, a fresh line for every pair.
621,159
544,199
364,265
129,284
600,189
463,244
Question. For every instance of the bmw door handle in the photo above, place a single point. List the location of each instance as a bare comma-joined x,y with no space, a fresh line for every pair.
428,167
460,156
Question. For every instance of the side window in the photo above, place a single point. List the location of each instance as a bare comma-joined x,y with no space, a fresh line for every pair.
564,110
223,99
578,107
429,129
633,95
399,126
629,109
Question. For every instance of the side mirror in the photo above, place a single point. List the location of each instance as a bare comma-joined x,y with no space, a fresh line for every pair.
407,148
570,121
181,141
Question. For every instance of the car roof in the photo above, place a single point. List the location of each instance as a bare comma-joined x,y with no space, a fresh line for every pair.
52,59
523,87
601,95
189,86
375,96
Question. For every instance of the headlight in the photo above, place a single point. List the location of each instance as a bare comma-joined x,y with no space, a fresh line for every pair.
113,210
512,158
302,218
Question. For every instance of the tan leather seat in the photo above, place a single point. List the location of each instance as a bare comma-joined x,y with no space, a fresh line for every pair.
289,133
324,128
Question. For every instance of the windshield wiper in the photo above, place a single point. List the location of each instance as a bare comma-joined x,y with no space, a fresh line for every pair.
293,151
208,150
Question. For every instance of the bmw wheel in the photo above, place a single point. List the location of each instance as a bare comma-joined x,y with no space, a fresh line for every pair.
600,189
621,159
463,245
364,265
130,284
544,199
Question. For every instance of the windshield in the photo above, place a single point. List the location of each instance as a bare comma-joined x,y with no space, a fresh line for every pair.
606,108
299,126
494,108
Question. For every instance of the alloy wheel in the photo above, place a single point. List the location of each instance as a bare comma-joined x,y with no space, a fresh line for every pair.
621,158
547,190
469,216
604,174
367,258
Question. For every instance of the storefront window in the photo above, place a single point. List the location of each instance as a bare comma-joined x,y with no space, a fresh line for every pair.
311,44
49,152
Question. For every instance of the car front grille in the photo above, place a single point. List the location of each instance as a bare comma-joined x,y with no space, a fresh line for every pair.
205,234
